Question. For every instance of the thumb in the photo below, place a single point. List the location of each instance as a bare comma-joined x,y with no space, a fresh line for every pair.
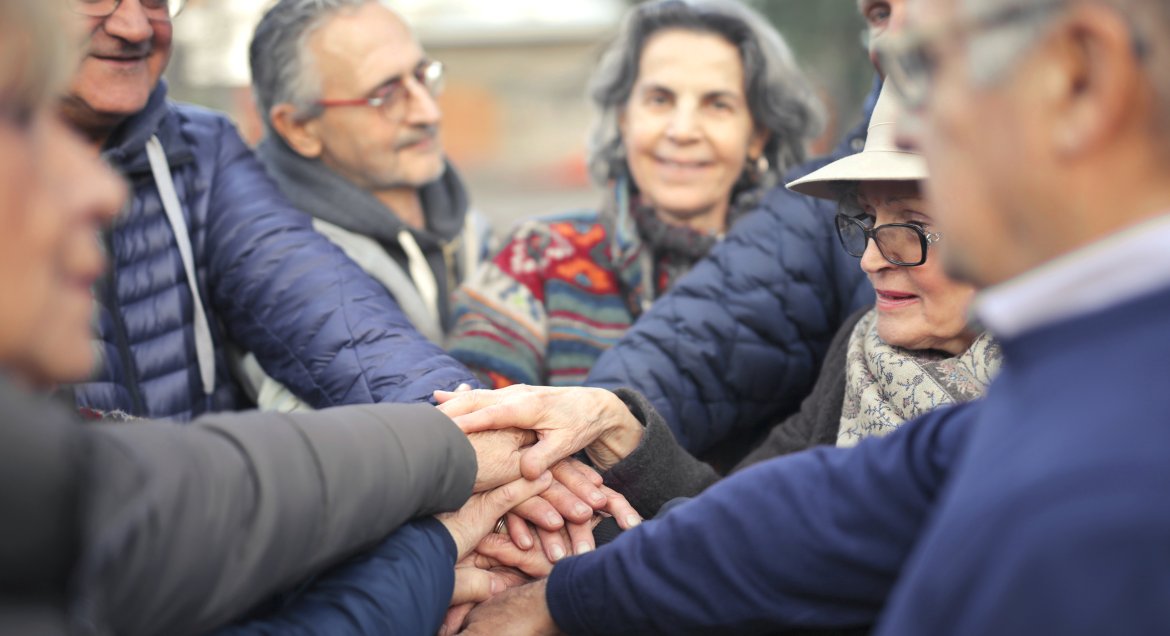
473,585
541,456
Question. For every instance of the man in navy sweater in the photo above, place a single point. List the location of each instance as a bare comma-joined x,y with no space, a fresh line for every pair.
1043,508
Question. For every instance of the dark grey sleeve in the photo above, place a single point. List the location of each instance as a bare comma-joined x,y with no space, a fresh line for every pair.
186,527
659,469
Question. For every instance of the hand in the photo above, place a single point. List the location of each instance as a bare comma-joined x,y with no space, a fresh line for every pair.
497,550
574,481
522,610
475,583
498,456
565,421
479,515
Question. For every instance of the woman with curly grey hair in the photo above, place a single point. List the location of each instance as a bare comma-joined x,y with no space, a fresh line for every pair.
701,107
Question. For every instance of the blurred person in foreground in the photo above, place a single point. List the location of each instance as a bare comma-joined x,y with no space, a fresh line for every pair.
209,253
911,353
148,527
700,108
348,99
736,345
1038,509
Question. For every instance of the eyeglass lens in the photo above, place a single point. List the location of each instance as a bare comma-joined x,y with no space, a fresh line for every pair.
157,9
429,75
898,244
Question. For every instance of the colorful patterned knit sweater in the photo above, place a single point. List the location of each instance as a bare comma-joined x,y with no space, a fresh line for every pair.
551,301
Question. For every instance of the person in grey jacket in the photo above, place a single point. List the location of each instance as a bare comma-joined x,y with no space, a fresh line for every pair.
144,527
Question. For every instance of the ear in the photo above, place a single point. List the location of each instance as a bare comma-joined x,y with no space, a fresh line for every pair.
1097,84
302,136
757,142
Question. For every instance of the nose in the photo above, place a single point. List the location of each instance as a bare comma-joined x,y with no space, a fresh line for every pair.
129,22
684,125
423,107
872,260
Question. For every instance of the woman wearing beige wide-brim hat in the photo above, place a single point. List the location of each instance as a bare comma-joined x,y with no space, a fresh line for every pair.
909,353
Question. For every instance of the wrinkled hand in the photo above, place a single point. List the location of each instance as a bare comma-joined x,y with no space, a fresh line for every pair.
522,611
471,523
565,421
498,455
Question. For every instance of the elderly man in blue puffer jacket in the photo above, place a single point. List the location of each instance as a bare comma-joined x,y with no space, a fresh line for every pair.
209,252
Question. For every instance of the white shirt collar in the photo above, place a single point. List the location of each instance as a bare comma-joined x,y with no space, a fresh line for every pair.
1122,267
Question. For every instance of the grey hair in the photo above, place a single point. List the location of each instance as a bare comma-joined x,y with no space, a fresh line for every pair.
780,98
281,70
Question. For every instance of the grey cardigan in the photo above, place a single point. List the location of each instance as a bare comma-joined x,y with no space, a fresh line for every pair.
169,529
660,469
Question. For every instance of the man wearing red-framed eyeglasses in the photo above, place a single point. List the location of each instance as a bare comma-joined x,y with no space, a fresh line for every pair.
348,99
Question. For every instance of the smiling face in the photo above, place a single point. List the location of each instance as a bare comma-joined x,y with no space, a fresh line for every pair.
687,127
126,53
77,187
55,200
918,307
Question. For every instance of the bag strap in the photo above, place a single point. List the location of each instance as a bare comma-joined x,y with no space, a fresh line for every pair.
204,345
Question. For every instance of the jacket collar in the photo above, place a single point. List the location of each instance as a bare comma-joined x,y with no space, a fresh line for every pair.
126,148
326,195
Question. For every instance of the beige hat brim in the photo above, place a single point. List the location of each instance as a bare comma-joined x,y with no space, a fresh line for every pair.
881,165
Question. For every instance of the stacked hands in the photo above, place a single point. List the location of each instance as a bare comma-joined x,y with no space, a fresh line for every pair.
549,503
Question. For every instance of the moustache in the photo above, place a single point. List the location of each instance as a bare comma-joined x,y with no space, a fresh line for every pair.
118,49
416,135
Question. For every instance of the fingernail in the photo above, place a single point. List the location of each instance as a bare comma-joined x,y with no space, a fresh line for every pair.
553,519
582,548
558,553
633,520
443,631
525,542
597,498
581,510
463,387
497,586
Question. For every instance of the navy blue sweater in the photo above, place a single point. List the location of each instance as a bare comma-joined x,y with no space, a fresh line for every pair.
401,587
1040,510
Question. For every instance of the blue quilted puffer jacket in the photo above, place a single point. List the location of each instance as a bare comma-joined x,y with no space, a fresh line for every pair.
737,343
270,283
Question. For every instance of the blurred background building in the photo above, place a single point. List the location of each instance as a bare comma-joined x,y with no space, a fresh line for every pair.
515,116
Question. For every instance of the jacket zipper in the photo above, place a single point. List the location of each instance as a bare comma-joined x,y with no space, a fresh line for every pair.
123,340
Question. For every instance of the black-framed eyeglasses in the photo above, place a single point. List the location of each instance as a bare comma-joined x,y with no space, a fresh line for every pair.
910,58
901,244
391,99
154,9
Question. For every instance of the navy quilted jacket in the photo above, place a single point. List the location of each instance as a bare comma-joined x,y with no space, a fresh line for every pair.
737,343
271,284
